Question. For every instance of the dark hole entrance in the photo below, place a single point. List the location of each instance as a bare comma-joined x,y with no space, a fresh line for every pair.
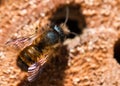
73,27
117,51
76,21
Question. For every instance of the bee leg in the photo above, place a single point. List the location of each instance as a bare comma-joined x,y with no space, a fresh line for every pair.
35,69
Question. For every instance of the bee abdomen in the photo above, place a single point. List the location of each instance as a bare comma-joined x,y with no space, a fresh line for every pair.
25,57
21,64
33,52
28,56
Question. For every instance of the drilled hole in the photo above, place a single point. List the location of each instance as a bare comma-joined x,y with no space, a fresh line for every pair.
117,51
76,21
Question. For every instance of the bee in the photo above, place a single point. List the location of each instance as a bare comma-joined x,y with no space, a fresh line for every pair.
42,49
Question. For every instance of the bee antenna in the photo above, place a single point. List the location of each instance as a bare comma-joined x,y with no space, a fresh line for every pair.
67,15
73,33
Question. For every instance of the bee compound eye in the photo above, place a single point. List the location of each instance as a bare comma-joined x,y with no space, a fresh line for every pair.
52,37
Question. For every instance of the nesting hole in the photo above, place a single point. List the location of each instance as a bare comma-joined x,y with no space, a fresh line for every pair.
76,21
117,51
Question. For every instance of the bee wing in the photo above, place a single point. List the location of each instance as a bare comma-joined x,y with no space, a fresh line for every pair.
35,69
20,42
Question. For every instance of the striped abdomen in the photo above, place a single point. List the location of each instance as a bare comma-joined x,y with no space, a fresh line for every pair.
28,56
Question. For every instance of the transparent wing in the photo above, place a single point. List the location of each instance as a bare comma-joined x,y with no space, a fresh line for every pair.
35,69
28,34
19,43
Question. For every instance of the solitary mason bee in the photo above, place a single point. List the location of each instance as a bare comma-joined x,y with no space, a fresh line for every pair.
42,48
